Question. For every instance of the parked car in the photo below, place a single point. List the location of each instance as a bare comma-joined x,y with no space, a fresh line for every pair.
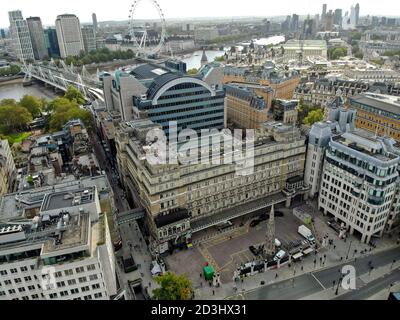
279,255
254,250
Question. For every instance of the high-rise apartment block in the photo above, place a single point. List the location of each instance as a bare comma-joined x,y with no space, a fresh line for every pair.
69,35
37,36
89,38
53,49
21,38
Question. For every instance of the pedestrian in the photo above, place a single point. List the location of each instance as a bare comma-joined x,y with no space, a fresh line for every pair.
150,284
213,292
200,275
211,283
201,284
302,268
341,258
276,276
334,247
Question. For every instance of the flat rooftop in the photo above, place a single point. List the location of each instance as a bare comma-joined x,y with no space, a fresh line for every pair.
66,199
15,206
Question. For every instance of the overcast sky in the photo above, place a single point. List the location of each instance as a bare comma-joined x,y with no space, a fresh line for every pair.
119,9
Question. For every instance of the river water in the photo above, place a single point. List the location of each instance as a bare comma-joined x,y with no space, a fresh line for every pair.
17,91
194,60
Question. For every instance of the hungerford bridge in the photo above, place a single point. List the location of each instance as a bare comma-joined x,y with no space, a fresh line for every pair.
63,76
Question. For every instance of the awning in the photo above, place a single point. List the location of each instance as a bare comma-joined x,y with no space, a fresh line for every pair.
308,251
297,256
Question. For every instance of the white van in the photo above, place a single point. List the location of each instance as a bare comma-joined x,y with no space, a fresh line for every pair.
278,244
279,255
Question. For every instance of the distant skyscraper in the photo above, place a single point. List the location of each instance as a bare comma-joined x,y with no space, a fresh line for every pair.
69,35
50,35
324,11
295,22
21,39
89,38
338,17
37,36
357,12
95,25
329,21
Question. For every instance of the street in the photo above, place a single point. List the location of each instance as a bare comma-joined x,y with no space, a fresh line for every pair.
314,282
131,236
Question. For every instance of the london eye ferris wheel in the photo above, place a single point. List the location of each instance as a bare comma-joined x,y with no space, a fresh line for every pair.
139,32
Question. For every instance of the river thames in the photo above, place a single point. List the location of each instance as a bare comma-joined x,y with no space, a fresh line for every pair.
17,91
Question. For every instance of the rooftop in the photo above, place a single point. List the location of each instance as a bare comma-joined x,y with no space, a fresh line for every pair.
61,200
379,101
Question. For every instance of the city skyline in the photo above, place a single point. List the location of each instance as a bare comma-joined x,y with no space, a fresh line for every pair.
172,9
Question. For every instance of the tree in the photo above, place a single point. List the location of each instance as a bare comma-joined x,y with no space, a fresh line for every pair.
33,104
193,71
14,119
336,53
74,94
63,110
173,287
8,102
313,117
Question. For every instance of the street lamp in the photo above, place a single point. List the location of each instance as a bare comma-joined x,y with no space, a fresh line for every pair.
348,252
337,289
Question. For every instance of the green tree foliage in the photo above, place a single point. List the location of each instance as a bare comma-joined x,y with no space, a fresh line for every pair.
313,117
337,53
64,110
33,104
99,56
12,70
193,71
74,94
220,59
392,53
173,287
8,102
14,119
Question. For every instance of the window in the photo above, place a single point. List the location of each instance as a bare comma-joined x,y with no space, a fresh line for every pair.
21,289
53,295
60,284
80,270
17,280
98,295
11,291
82,280
93,277
64,293
68,272
28,278
31,288
13,270
71,282
24,269
91,267
85,289
96,286
7,282
35,296
25,298
59,274
74,291
89,297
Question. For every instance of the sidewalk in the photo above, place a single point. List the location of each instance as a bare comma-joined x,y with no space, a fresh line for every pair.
362,281
332,259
